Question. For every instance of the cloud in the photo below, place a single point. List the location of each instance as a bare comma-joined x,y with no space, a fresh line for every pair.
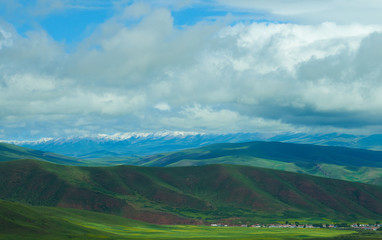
5,39
146,74
48,7
220,120
310,11
162,106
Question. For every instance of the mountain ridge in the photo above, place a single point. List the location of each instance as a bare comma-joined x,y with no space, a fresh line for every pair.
186,195
10,152
140,144
280,151
327,161
357,165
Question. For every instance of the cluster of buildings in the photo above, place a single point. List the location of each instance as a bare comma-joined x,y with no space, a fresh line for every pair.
355,226
288,226
374,227
266,225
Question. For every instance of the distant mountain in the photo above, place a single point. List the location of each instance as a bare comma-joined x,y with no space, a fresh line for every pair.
286,152
334,162
225,193
12,152
131,144
140,144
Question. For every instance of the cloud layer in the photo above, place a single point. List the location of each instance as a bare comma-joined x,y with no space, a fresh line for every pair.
139,72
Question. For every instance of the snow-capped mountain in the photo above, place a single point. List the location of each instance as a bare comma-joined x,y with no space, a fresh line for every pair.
139,144
131,144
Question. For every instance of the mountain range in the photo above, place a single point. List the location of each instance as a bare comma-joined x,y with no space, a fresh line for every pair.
141,144
333,162
226,182
190,195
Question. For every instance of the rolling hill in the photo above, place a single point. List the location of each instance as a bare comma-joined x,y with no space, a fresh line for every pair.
190,195
19,221
286,152
333,162
10,152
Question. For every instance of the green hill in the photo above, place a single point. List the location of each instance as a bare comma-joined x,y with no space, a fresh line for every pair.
333,162
10,152
19,221
190,195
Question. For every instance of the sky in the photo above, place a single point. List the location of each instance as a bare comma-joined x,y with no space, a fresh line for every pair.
83,67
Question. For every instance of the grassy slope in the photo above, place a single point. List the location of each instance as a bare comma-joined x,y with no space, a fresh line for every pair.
190,195
334,162
23,222
10,152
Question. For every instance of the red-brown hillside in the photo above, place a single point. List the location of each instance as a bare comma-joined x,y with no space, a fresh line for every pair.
189,194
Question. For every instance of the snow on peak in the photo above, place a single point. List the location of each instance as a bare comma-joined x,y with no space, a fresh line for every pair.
128,135
19,142
107,137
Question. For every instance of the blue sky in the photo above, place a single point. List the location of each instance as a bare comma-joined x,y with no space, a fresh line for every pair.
70,68
73,21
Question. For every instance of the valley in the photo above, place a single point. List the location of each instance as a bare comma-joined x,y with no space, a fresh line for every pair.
184,193
191,119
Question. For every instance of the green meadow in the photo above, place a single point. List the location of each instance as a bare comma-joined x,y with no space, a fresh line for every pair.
22,222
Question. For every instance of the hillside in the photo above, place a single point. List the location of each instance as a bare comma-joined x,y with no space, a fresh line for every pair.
190,195
19,221
334,162
10,152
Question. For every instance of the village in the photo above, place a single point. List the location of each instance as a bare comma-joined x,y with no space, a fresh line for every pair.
373,227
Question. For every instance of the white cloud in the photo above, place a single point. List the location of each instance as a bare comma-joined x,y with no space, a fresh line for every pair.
163,106
136,11
209,119
46,7
209,76
286,45
5,38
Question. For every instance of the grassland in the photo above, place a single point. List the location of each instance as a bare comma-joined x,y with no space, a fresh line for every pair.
22,222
